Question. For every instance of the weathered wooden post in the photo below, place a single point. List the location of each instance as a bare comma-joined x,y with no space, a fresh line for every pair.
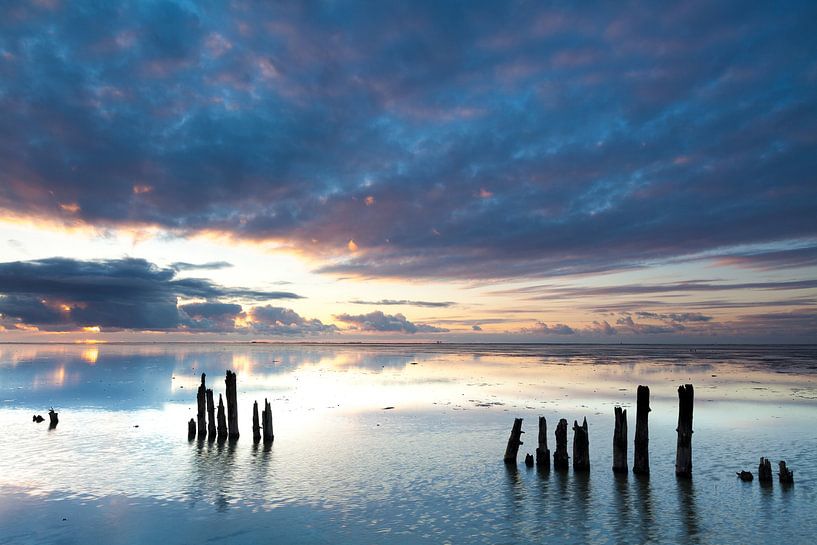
514,441
620,441
786,475
211,416
222,421
560,457
191,430
201,398
529,460
232,406
266,422
54,417
542,451
641,457
256,429
764,470
581,447
683,452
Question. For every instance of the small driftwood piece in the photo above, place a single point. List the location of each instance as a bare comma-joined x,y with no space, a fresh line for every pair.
620,441
514,441
191,430
529,460
786,475
222,420
641,457
266,423
232,405
542,451
581,447
201,400
745,476
764,470
37,418
211,416
683,452
256,428
54,417
560,457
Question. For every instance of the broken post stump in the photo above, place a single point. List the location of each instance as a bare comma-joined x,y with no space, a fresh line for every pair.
37,418
542,451
266,422
641,457
620,441
683,452
529,460
256,428
232,406
514,441
764,470
786,475
201,399
211,416
745,476
560,457
191,430
222,421
581,447
54,419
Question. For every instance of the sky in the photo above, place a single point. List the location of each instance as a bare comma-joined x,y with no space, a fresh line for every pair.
408,171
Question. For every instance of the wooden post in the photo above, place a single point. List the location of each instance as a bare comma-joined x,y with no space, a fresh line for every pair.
514,441
232,406
201,397
620,441
786,475
641,457
683,452
542,452
560,457
211,416
266,422
764,470
222,421
256,429
581,447
191,430
529,460
54,417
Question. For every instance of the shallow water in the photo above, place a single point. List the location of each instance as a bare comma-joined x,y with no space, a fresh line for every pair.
344,470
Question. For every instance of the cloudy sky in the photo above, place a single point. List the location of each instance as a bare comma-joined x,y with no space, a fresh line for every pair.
484,171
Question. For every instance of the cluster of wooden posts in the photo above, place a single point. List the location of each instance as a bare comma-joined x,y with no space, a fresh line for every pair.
641,458
212,424
53,416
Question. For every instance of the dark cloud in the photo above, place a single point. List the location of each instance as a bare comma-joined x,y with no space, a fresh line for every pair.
406,302
64,294
284,321
447,139
210,266
542,328
377,321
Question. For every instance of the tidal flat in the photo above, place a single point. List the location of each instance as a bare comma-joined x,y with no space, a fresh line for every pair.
399,444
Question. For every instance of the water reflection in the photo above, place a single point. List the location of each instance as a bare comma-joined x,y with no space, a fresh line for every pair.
644,506
688,509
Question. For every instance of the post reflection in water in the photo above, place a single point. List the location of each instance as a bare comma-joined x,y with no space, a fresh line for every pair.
644,508
688,510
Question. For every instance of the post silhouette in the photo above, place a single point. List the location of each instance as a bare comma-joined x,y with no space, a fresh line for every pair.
211,416
683,451
620,441
641,457
222,421
514,441
581,447
266,422
560,457
201,399
232,406
542,451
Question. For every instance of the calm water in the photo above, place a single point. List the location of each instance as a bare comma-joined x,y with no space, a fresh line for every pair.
345,470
